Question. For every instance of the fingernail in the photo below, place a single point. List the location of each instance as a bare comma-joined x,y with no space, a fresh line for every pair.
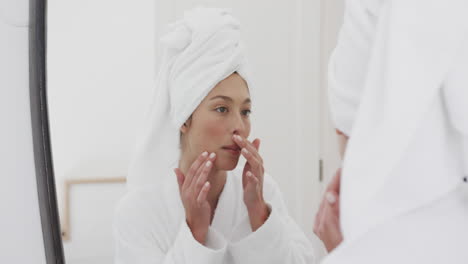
208,164
245,151
204,154
330,198
249,174
238,137
207,184
212,155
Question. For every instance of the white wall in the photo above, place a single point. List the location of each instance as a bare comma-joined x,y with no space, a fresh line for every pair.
101,72
331,20
20,224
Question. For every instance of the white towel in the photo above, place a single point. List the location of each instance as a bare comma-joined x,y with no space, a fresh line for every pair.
198,52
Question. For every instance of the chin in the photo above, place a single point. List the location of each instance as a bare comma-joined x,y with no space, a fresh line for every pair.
227,164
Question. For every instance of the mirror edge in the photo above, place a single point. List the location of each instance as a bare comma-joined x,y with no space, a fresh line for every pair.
41,138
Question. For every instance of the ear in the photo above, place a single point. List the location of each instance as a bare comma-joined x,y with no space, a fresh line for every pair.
185,127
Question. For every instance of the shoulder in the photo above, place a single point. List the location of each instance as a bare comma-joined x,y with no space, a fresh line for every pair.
136,207
156,197
147,211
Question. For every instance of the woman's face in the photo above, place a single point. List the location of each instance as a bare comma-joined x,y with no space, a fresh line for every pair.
224,112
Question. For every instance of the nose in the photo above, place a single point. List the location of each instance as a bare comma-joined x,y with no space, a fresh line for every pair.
239,125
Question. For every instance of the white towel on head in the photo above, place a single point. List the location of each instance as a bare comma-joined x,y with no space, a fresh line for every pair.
198,52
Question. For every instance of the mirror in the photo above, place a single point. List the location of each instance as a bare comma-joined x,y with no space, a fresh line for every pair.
29,212
102,61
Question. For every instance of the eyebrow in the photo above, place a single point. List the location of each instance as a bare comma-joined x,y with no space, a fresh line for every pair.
229,99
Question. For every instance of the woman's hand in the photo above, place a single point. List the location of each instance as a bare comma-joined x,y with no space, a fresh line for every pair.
252,181
193,189
327,220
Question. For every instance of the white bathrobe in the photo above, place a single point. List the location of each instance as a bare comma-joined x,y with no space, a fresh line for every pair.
399,89
150,227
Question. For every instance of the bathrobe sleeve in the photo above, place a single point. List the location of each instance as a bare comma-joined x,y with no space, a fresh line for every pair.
142,232
456,98
278,240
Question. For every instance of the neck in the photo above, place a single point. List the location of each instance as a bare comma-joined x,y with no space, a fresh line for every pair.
217,179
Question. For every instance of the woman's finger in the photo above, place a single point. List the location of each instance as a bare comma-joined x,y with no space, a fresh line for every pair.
252,178
251,159
325,215
211,157
334,185
254,150
180,177
203,193
253,164
244,143
331,197
256,144
202,177
318,216
251,184
336,207
196,177
194,168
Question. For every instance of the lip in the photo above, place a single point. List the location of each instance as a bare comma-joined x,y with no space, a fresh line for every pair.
233,149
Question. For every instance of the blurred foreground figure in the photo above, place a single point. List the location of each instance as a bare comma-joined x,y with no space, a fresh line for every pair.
399,91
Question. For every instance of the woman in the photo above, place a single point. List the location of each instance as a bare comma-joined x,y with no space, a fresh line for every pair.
399,91
207,210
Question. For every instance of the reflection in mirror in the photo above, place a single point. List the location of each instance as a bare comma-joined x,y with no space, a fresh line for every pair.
102,64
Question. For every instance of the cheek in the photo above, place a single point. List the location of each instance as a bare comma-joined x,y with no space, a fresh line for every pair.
212,133
214,130
247,126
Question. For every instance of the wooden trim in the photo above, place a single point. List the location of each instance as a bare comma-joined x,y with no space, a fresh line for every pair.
66,230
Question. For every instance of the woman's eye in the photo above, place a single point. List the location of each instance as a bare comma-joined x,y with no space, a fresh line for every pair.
221,109
246,112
